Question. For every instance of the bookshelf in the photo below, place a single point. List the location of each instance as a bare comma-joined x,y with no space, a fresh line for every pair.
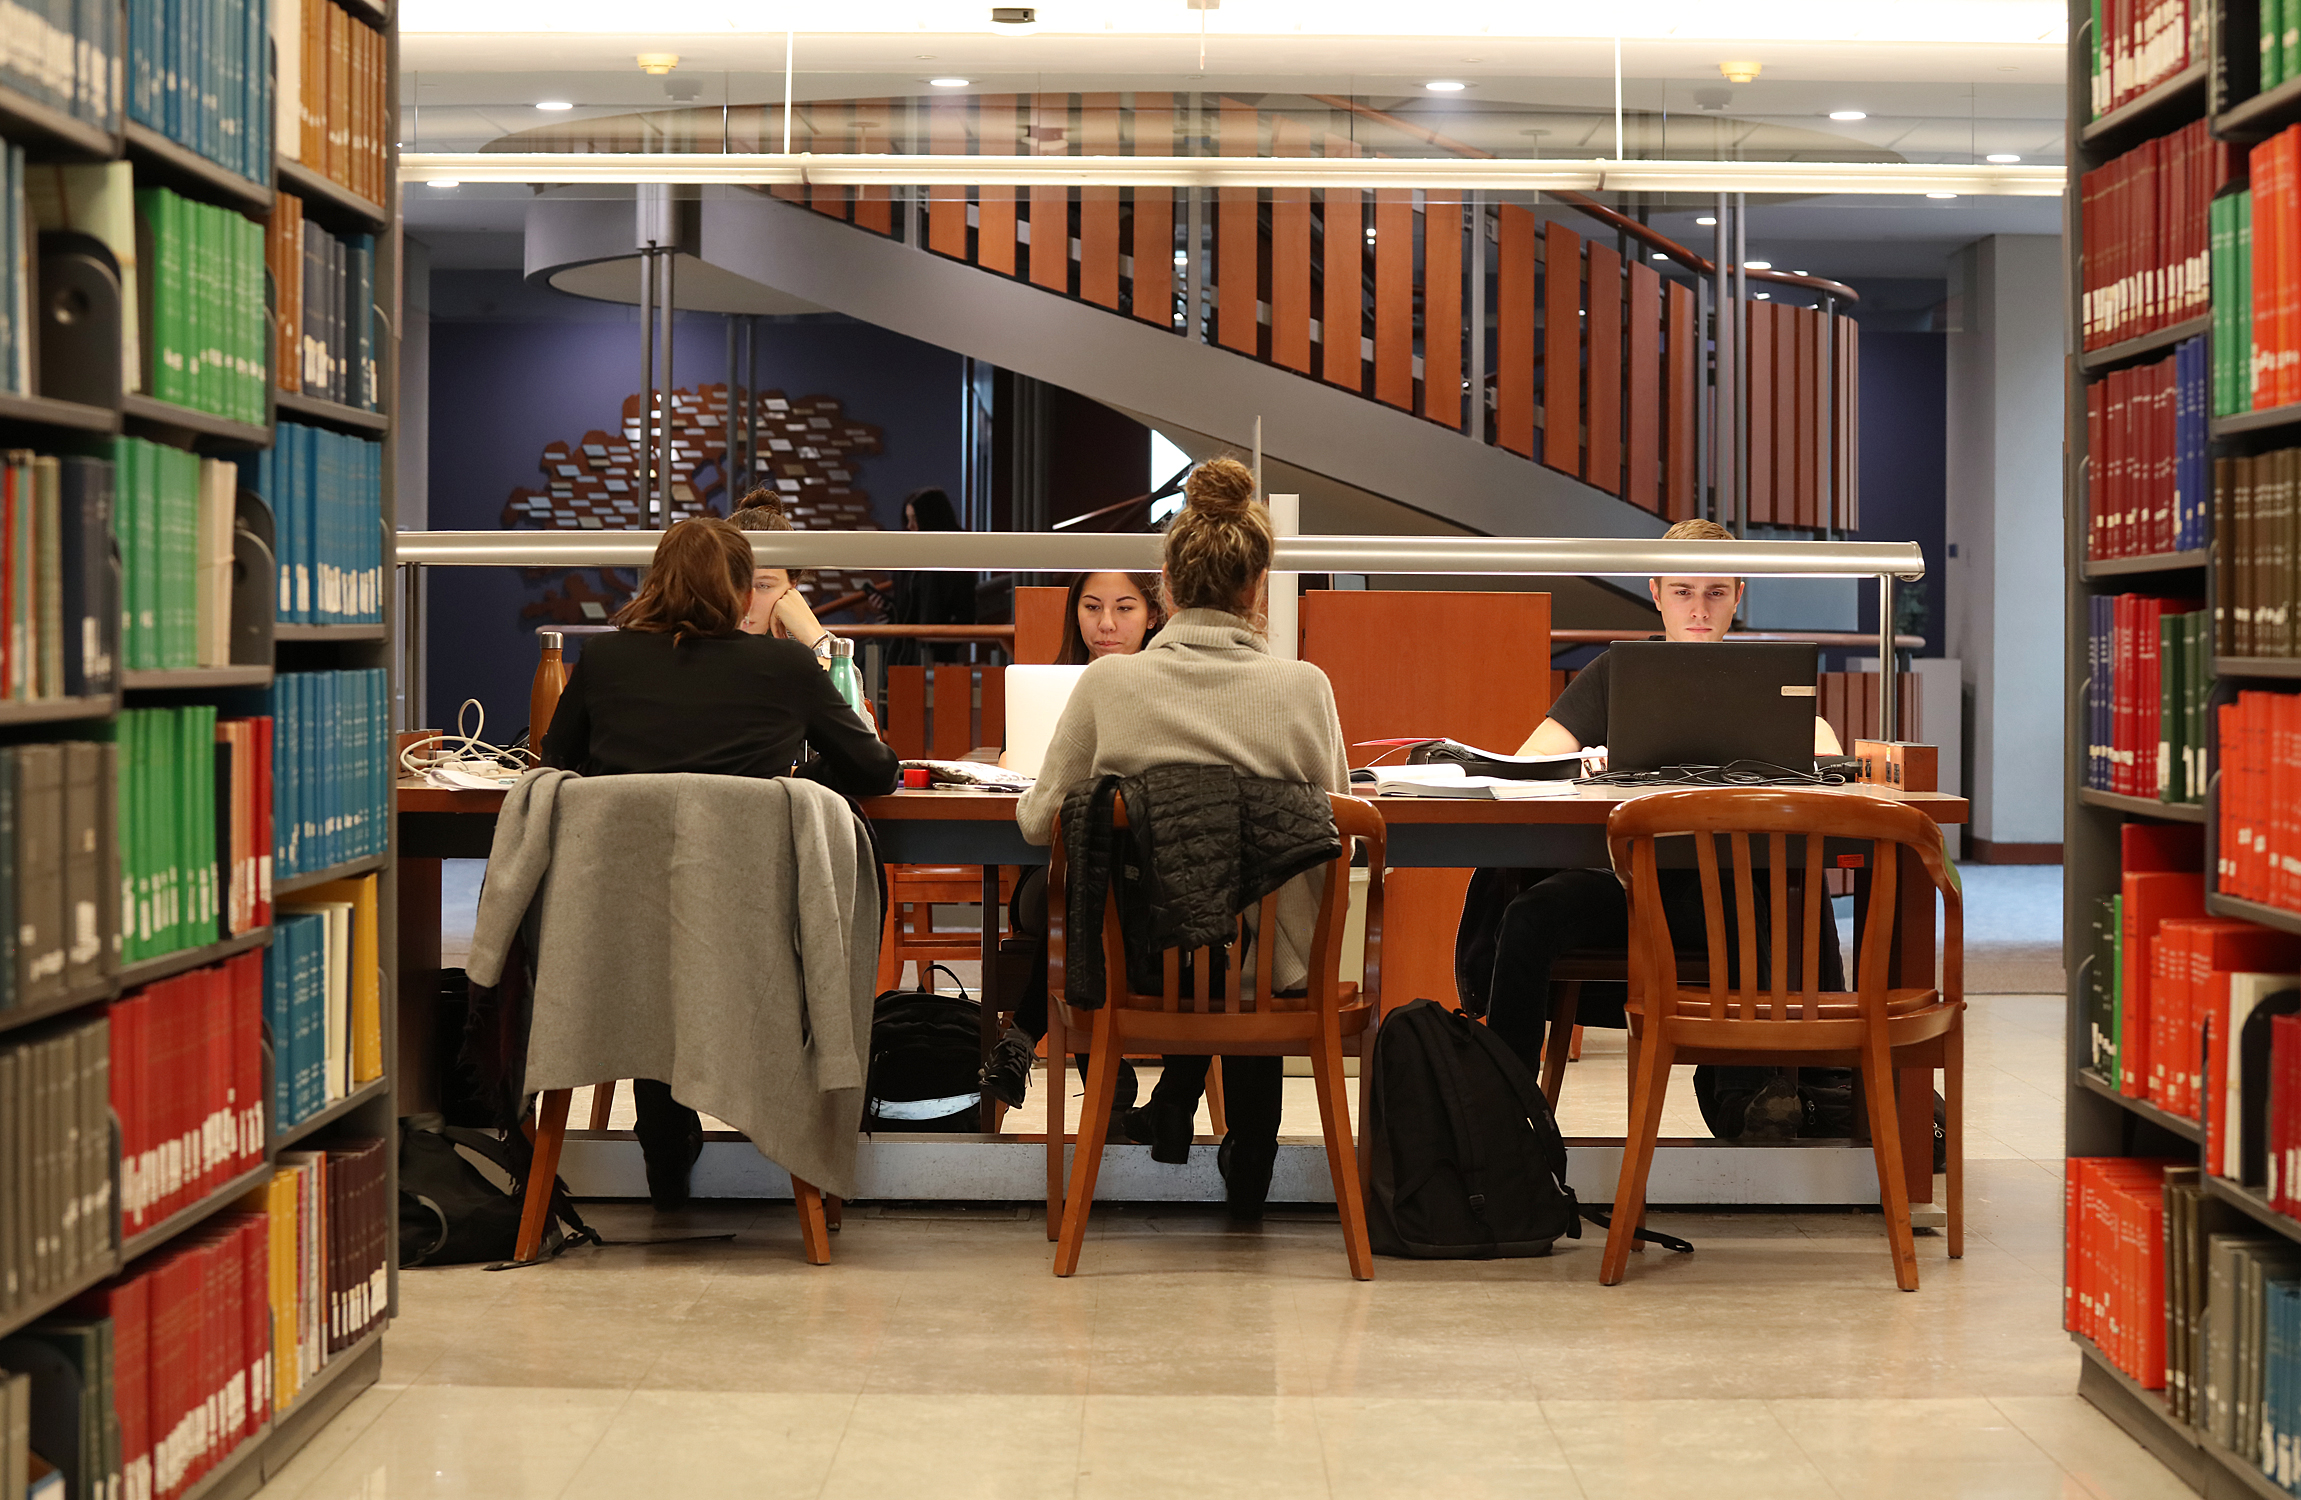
43,424
2104,1120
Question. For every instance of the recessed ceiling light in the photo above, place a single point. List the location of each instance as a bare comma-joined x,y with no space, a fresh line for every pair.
1759,265
1445,86
1849,114
1763,296
948,83
1659,255
1941,195
2002,158
555,104
1805,273
1707,221
444,182
1182,257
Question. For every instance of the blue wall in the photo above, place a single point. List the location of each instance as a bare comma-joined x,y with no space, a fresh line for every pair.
1904,460
514,367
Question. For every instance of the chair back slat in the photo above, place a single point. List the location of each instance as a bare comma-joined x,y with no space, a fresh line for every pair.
1746,926
1713,926
1810,971
1237,986
1778,908
1878,925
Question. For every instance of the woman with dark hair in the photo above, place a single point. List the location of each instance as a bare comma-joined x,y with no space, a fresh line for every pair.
1109,614
929,598
679,686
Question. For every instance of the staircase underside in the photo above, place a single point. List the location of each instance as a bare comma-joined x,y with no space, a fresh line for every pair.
1350,454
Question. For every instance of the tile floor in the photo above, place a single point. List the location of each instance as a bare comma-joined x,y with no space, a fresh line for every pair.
937,1356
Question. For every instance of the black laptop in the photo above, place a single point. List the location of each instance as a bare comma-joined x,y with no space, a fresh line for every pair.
1682,703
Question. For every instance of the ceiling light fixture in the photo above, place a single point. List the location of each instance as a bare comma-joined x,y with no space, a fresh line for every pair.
445,182
1740,72
1763,296
1849,115
1708,221
948,83
1759,265
2001,158
1941,195
555,105
656,64
1445,86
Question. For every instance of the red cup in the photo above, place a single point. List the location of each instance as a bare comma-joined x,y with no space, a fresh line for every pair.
916,778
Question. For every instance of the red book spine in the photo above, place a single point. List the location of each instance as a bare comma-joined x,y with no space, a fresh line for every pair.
256,1317
2073,1244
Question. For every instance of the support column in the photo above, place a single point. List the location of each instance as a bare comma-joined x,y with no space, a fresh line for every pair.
2004,584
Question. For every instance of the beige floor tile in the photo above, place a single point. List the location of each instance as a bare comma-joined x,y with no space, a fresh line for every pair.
2075,1435
723,1443
1266,1448
1711,1448
504,1443
1379,1447
998,1446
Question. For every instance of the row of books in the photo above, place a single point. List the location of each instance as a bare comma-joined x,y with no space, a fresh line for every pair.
170,887
207,334
325,490
174,522
2137,44
55,1164
2146,254
200,73
2113,1282
323,998
19,269
2257,553
326,306
59,615
144,1385
66,56
188,1087
2149,684
331,768
2146,461
2260,798
2272,288
2229,225
59,909
334,76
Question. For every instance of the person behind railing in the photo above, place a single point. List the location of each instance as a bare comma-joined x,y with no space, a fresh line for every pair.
775,605
1207,691
679,686
1106,614
1528,920
928,597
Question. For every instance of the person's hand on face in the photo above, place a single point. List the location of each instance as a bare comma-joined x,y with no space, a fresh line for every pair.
795,621
769,587
1696,609
1113,616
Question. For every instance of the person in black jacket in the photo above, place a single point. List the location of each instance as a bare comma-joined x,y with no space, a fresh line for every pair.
929,598
680,687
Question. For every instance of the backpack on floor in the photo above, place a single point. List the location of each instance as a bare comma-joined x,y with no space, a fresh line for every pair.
451,1213
1467,1163
926,1061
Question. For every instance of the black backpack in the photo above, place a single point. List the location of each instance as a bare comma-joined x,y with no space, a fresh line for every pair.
926,1050
452,1214
1467,1161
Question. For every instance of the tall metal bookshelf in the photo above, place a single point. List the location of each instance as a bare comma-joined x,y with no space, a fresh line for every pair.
34,421
2100,1120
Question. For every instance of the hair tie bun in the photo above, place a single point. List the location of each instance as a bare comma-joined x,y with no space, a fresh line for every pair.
1220,489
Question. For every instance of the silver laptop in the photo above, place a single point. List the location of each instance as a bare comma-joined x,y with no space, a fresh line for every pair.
1035,699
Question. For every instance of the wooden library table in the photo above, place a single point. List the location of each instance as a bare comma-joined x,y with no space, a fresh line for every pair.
978,828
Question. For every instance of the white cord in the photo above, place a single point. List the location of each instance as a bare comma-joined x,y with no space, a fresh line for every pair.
420,758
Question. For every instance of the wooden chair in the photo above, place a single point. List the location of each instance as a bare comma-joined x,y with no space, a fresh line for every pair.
910,937
1323,1024
1874,1028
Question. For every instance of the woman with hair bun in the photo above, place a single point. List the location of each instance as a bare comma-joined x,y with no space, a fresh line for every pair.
1207,691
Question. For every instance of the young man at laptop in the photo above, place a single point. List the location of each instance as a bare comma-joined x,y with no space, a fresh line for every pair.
1563,911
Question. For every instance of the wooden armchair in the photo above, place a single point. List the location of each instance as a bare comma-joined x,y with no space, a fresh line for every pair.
1874,1028
1321,1024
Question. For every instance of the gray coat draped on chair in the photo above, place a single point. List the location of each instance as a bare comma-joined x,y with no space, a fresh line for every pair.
717,932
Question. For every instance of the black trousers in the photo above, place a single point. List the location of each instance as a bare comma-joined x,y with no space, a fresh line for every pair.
663,1120
1565,912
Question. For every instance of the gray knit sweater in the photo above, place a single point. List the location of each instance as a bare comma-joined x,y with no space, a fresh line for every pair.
1205,691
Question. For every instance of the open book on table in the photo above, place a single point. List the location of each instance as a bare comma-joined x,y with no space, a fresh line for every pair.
1444,780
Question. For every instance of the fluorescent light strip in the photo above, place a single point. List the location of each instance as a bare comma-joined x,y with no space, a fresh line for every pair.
977,551
805,169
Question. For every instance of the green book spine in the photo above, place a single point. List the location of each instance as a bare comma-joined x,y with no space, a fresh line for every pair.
2272,50
158,475
135,839
48,637
2241,351
179,830
2200,704
182,566
2288,40
2114,980
2168,701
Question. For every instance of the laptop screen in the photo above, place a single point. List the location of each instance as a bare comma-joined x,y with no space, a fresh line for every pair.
1035,699
1683,703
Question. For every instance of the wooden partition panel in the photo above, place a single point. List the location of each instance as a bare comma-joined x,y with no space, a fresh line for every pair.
1394,297
1442,309
1099,206
1642,473
1561,348
947,206
1810,325
1758,336
1847,424
991,729
952,725
1050,254
995,206
1602,333
1514,291
1342,320
1290,257
1682,335
1150,239
1039,623
906,728
875,202
1384,688
1238,237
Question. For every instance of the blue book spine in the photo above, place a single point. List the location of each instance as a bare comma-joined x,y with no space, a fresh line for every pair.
311,1022
276,989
